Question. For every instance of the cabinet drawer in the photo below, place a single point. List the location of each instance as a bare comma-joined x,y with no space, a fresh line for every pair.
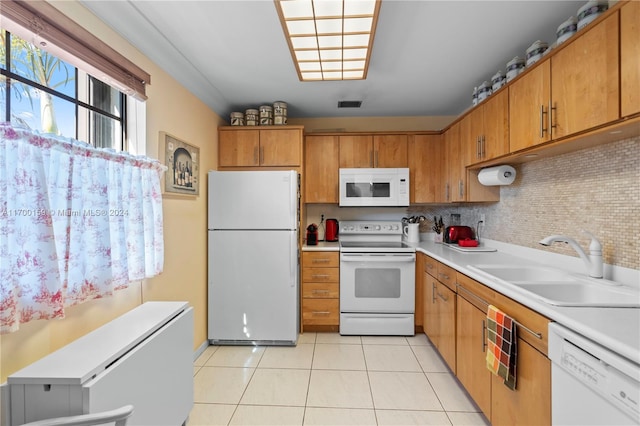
447,276
431,266
321,290
320,259
321,311
320,275
481,295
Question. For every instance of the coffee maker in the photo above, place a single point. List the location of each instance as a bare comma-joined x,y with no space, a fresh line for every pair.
312,235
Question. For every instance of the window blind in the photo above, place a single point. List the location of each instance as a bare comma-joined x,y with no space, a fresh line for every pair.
51,30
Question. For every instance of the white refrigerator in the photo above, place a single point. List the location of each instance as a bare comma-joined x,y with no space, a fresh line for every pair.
253,262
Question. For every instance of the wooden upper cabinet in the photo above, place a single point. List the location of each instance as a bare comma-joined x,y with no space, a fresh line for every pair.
630,58
584,80
426,160
278,147
457,158
390,151
494,140
361,151
356,151
529,99
239,148
321,169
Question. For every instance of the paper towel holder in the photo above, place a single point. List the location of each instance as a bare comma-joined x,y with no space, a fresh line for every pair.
498,175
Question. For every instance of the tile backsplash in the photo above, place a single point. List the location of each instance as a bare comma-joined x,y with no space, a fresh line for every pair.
596,189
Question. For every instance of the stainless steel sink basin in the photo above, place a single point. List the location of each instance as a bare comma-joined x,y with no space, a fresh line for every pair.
561,288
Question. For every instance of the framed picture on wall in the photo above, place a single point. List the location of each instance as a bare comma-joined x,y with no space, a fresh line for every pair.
183,162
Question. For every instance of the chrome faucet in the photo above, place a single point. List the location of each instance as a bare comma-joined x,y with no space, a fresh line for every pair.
593,262
480,222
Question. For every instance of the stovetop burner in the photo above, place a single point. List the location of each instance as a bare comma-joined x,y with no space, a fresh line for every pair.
372,237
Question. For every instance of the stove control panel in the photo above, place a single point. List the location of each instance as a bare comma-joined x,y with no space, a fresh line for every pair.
370,227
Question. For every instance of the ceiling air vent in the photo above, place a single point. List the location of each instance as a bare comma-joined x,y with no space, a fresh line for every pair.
349,104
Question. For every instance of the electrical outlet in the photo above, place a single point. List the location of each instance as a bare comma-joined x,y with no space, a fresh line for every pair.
483,219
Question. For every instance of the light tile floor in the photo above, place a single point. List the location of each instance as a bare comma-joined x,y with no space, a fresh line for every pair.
328,379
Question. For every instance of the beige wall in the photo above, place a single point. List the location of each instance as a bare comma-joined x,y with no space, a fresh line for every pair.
172,109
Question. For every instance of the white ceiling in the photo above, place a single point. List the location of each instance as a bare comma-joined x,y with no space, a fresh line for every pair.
427,55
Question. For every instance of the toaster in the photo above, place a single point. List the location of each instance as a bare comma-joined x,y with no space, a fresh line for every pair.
454,233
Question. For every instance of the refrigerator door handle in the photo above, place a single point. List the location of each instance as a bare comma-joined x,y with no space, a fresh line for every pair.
293,254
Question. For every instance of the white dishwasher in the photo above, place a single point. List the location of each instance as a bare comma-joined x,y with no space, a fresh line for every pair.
590,385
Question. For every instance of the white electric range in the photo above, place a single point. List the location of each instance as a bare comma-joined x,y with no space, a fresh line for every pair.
377,279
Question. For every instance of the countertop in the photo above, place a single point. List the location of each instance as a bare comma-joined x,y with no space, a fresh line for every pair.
323,246
615,328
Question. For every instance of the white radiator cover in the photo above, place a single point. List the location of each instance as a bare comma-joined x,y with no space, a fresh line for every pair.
143,358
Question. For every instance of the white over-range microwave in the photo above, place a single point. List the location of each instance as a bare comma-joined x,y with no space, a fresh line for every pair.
374,187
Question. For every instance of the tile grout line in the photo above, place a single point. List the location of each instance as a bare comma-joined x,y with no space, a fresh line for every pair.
306,400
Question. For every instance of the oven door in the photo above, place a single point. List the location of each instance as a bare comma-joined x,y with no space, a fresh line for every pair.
377,282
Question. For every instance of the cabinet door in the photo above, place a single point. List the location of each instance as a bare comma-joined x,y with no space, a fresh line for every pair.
495,135
474,133
425,169
280,147
530,402
529,99
419,300
584,80
239,148
457,160
630,58
447,325
429,308
321,169
356,151
390,151
471,352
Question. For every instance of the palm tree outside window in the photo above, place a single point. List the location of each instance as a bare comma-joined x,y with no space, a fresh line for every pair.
42,92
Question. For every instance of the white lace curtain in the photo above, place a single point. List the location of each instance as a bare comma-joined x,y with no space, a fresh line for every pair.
76,223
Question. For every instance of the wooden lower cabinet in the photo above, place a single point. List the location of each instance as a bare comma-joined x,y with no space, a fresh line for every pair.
321,312
471,352
530,403
320,289
447,324
419,302
429,308
439,309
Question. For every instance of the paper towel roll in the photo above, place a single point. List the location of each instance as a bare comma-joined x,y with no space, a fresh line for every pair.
499,175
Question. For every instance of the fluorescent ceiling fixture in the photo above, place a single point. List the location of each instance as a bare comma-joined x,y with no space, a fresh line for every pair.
329,39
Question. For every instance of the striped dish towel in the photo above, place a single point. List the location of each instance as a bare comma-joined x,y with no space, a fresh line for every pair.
501,346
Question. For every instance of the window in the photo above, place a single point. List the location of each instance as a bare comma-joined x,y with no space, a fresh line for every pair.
42,92
96,214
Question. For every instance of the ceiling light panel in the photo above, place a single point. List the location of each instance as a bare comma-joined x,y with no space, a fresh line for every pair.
336,35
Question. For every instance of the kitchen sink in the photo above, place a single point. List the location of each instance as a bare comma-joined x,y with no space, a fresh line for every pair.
584,294
524,273
562,288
